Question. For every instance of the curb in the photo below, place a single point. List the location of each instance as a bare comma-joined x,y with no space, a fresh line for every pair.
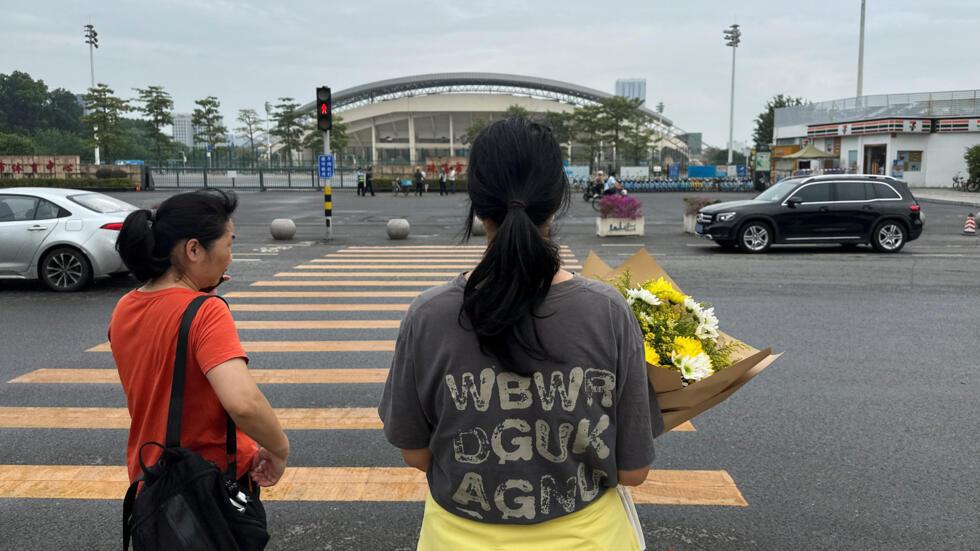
973,204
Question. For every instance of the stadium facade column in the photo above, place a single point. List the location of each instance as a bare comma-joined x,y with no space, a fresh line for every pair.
374,143
452,137
412,154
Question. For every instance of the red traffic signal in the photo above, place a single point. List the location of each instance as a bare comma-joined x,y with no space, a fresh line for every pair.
324,109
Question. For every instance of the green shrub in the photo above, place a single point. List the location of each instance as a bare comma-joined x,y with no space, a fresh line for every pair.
972,158
73,183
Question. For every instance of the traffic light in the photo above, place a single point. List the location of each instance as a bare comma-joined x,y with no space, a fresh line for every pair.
324,109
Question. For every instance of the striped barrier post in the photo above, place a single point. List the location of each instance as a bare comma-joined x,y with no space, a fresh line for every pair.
328,207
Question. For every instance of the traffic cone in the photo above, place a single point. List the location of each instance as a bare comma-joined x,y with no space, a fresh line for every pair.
970,228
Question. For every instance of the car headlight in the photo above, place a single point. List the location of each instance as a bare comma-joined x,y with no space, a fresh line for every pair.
726,216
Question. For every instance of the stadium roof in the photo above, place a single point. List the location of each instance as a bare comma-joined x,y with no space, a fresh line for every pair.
463,83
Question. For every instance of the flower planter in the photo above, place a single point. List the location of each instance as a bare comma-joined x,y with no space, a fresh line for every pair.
690,221
612,227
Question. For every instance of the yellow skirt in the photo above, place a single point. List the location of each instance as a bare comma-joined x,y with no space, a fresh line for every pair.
601,526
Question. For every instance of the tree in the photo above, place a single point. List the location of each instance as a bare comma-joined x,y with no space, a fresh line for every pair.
157,106
765,121
617,114
517,112
22,102
208,121
478,125
972,158
251,123
560,124
289,126
52,141
715,156
589,129
63,112
14,144
339,140
636,142
104,111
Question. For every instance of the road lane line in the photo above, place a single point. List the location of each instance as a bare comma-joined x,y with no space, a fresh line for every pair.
319,307
261,376
345,484
436,266
346,283
299,346
322,294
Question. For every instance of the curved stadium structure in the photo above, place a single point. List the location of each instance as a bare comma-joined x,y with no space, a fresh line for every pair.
414,119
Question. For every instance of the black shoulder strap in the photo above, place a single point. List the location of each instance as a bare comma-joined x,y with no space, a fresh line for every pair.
128,503
177,387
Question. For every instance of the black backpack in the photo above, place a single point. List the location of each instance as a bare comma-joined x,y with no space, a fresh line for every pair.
186,502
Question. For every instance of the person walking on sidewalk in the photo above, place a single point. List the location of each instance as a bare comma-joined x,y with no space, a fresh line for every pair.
419,181
179,253
530,409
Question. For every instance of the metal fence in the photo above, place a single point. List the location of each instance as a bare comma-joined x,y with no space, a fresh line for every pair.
965,103
248,179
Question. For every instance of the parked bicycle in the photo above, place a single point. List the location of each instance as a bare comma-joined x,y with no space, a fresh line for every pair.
966,184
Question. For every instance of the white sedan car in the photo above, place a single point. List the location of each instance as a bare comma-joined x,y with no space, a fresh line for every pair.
65,237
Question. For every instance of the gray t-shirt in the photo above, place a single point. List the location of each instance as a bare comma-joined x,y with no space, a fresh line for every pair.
522,450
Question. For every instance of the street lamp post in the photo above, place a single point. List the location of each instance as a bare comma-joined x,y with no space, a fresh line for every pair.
733,37
92,39
860,90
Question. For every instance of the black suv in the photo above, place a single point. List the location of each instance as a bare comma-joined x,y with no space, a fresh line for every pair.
849,209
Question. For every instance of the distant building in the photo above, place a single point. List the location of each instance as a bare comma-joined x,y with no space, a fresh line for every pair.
183,129
694,142
632,88
919,137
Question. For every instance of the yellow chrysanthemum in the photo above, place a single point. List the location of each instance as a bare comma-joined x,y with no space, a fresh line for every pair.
687,346
665,291
650,353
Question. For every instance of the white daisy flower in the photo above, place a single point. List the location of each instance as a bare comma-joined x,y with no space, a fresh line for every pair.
707,324
648,297
693,368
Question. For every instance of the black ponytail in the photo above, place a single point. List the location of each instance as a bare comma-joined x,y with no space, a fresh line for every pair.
147,239
516,179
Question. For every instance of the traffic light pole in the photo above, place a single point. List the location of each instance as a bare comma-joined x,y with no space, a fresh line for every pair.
327,190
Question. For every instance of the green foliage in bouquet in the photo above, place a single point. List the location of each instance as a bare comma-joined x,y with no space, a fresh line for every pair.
679,332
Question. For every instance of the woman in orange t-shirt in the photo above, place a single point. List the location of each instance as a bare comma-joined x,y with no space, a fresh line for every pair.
181,252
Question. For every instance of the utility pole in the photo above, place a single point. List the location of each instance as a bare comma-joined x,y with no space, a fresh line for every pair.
860,90
733,37
92,39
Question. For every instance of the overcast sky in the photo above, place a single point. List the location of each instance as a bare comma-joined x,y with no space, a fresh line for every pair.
247,52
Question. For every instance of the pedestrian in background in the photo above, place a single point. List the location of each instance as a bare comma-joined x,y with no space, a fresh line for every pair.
452,180
360,182
369,180
179,253
442,183
419,181
528,410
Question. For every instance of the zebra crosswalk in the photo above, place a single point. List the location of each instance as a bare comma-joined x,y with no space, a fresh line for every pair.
354,325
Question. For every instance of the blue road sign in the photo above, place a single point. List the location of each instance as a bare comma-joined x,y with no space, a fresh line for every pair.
325,163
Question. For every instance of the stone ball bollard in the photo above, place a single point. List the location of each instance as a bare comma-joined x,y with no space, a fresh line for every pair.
478,228
398,228
282,229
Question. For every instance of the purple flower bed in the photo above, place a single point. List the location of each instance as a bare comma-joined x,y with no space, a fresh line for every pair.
620,206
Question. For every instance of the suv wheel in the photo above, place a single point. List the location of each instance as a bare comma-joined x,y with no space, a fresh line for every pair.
755,237
889,237
65,270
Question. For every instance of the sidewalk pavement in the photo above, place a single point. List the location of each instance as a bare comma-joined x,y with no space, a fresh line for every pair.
946,196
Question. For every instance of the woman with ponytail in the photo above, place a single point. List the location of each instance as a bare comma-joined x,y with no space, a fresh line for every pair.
519,387
178,253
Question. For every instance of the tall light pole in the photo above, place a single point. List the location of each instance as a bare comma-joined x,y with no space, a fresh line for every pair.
861,54
733,37
92,39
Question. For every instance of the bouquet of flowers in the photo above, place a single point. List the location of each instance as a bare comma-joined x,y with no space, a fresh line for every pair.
691,364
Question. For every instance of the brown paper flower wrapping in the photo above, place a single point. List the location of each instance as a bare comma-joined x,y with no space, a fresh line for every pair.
679,403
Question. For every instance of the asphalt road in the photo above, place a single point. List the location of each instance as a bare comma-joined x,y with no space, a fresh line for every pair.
862,436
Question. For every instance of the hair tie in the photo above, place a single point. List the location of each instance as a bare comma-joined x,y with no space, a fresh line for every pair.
515,204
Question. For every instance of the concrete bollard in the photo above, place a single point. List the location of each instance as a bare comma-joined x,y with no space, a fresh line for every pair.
478,228
398,228
282,229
